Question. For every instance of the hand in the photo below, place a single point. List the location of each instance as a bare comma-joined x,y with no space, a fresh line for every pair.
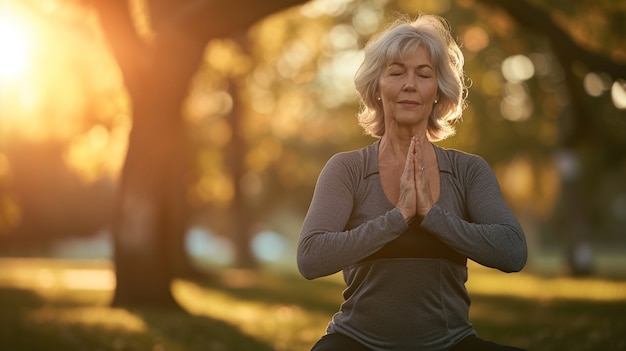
407,201
415,196
422,183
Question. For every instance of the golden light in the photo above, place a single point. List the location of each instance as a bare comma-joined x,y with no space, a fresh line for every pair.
618,94
475,39
50,91
596,84
517,68
15,48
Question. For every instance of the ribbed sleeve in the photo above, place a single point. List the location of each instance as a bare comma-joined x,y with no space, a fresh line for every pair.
326,246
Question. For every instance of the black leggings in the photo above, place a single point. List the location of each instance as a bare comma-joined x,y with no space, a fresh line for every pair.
339,342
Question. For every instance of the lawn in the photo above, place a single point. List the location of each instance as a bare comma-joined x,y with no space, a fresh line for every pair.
62,305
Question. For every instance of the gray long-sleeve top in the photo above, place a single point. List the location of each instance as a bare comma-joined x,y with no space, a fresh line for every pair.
406,283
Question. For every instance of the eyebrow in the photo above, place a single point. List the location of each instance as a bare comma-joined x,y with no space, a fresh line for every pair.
394,63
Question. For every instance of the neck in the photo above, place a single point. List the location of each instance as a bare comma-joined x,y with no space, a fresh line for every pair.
397,139
392,150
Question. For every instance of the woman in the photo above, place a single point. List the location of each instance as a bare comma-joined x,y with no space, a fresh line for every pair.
401,217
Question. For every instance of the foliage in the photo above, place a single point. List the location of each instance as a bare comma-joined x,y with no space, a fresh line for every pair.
295,68
290,78
245,310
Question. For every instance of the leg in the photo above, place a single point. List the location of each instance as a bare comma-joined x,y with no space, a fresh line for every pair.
337,342
474,343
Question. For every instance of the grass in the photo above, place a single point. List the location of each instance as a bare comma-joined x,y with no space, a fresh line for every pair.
62,305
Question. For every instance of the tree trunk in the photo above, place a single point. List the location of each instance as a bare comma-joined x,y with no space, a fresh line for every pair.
150,218
243,220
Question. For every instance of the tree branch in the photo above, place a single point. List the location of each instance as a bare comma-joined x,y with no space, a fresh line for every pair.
535,19
126,45
208,19
567,52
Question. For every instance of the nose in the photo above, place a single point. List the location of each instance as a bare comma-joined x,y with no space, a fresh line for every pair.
409,84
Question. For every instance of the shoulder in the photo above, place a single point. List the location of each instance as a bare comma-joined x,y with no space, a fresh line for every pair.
350,167
345,170
461,163
363,158
460,157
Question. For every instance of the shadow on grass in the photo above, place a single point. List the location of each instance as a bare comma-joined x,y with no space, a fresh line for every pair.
322,295
551,324
29,321
533,323
81,320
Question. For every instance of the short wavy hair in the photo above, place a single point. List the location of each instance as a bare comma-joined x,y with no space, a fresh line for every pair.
433,32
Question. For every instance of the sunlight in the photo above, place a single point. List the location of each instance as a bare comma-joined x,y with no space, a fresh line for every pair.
475,39
618,94
314,9
517,68
75,279
596,84
15,48
84,153
490,282
282,325
53,275
101,317
51,91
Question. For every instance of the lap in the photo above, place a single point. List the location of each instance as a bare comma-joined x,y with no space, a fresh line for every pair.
339,342
474,343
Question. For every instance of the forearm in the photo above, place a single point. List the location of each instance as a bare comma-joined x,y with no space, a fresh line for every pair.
322,252
500,244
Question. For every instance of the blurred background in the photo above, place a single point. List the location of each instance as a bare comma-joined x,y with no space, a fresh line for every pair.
177,137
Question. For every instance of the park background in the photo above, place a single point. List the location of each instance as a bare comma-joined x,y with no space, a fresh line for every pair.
157,159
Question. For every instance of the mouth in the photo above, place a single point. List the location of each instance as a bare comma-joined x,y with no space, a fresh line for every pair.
409,103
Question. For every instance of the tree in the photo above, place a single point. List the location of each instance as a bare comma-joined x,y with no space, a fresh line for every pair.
515,138
577,126
157,67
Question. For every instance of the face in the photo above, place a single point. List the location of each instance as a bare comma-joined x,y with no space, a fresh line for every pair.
408,89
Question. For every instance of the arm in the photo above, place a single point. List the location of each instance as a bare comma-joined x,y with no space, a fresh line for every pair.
326,246
493,238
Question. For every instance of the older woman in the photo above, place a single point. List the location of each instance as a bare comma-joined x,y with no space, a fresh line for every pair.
401,217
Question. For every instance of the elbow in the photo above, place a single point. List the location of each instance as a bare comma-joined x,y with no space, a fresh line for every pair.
514,267
312,269
518,253
306,267
306,273
314,259
517,261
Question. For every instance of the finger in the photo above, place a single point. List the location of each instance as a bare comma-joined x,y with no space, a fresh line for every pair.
414,155
406,202
420,155
409,166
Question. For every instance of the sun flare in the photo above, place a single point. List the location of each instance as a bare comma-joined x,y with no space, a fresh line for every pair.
14,49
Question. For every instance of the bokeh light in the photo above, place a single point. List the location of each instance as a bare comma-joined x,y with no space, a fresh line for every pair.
516,104
203,245
475,39
269,246
517,68
15,48
596,84
318,8
367,19
618,94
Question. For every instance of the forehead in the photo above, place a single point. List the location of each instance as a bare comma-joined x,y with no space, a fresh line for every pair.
410,54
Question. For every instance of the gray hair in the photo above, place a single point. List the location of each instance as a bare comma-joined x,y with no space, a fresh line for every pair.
433,32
